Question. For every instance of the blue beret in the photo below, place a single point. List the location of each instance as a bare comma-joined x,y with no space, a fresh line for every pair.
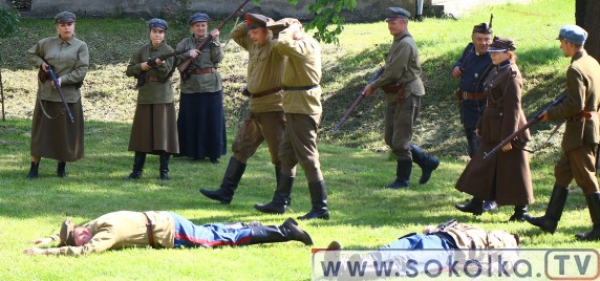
158,24
198,17
573,33
64,17
502,44
396,12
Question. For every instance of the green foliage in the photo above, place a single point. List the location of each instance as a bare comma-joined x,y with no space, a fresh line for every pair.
328,12
9,20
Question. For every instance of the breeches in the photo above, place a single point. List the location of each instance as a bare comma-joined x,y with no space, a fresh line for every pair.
399,121
255,128
299,146
578,164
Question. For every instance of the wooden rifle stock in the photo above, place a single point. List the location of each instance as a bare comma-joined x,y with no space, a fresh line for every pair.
141,79
54,79
356,102
2,92
182,67
530,123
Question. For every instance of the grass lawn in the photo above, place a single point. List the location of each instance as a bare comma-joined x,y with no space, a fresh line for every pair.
355,161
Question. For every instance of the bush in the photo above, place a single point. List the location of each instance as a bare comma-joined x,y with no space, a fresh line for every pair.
9,20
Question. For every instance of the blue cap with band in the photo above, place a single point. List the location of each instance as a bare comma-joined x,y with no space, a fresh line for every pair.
573,33
158,24
198,17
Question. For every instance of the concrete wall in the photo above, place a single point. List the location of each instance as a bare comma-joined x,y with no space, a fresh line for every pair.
366,10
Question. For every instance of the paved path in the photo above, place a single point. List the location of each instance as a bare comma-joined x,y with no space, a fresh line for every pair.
457,8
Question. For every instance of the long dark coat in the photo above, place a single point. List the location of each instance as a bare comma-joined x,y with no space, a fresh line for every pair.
504,177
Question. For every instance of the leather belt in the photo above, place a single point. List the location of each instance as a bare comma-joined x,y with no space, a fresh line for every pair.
392,88
300,88
584,115
203,70
266,93
149,231
446,237
472,96
153,79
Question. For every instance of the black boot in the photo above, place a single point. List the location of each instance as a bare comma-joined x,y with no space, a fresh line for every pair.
593,202
427,162
281,198
164,165
288,231
318,198
519,215
138,165
33,171
403,169
472,141
232,178
549,221
475,206
60,170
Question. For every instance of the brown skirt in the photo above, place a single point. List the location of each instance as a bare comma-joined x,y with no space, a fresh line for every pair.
56,137
154,129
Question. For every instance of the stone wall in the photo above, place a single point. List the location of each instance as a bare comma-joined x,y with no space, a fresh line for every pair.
366,10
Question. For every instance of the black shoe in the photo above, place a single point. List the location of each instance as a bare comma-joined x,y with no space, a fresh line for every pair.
427,162
403,170
291,230
138,166
270,208
519,215
318,198
60,170
230,182
593,202
475,207
281,197
549,222
164,165
33,170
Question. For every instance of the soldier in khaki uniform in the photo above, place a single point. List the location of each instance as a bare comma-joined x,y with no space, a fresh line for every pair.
154,127
302,107
265,121
581,136
403,89
52,134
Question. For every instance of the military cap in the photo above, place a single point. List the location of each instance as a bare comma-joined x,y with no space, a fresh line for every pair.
278,26
483,27
198,17
158,24
502,44
66,233
64,17
395,13
256,21
573,33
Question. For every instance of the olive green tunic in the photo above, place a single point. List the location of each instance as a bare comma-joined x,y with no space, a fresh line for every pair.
210,57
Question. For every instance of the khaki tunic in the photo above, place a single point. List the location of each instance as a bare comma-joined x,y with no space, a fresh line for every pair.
56,137
153,92
581,135
123,229
505,176
210,57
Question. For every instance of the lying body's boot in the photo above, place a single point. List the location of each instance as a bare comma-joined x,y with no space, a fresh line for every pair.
549,221
164,165
281,198
318,198
138,165
230,182
475,207
33,171
288,231
403,170
519,214
593,202
60,170
427,162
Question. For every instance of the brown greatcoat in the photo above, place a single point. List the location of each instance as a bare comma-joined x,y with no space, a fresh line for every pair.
505,176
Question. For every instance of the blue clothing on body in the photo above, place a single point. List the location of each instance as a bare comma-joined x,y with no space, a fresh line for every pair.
474,68
187,234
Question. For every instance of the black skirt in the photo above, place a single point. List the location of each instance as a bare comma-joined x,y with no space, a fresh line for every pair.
201,125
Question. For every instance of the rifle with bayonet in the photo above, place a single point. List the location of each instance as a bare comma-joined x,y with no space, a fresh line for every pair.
2,93
141,79
530,123
50,72
183,67
356,102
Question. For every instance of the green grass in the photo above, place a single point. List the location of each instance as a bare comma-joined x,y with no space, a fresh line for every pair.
355,161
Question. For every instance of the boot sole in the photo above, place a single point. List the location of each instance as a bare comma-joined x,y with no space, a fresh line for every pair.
214,197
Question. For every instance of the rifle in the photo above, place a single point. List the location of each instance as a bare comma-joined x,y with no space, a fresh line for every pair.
182,67
356,102
2,93
52,75
141,79
530,123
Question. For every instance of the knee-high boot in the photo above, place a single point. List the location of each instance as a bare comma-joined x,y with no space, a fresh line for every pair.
403,170
520,214
60,169
427,162
472,141
232,178
593,202
318,198
549,221
138,165
281,198
288,231
33,170
164,165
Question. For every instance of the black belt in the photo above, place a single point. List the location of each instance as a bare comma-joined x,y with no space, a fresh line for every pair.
149,231
446,237
300,88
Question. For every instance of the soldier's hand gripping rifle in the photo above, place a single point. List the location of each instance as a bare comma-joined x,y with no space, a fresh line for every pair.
530,123
141,79
182,67
50,72
356,102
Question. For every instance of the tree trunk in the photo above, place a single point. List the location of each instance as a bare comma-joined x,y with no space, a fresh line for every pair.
586,16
